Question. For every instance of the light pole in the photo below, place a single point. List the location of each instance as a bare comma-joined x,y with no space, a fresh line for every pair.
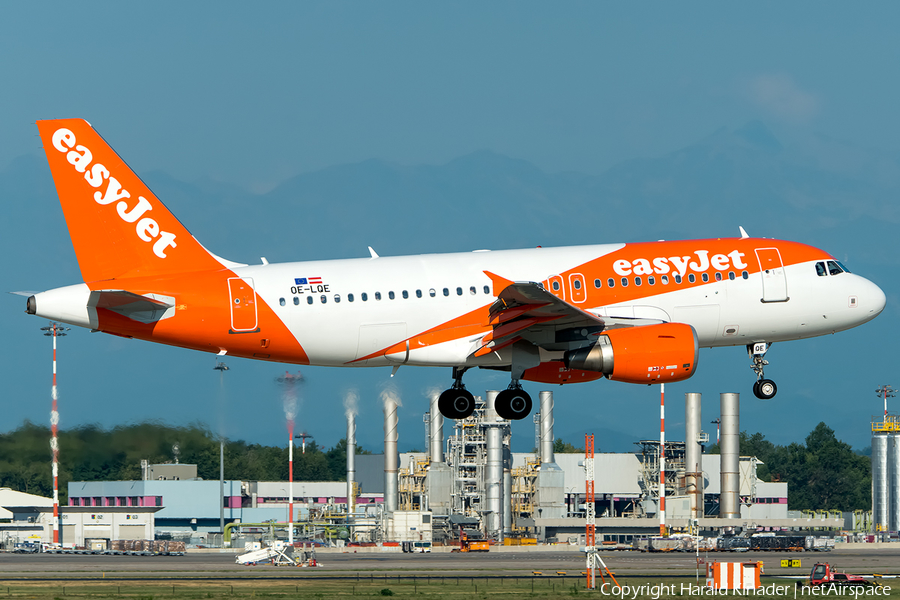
886,392
55,330
221,368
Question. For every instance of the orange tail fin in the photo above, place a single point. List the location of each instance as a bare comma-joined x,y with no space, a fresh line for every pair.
119,228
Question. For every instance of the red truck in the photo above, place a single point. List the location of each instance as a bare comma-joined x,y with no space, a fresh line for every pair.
825,574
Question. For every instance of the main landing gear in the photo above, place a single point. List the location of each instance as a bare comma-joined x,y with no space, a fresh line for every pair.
457,402
764,389
512,403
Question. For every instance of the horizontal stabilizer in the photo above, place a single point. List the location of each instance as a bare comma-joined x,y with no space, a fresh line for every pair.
144,309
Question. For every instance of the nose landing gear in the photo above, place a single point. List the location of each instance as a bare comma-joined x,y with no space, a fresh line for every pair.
764,389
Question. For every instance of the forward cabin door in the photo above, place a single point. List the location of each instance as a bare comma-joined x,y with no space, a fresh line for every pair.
771,269
243,305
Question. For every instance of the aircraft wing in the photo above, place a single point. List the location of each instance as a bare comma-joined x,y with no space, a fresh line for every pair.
524,310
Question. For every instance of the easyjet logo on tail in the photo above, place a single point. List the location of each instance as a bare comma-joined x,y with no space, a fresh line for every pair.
146,228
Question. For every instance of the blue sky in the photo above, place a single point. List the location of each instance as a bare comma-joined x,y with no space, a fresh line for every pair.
253,94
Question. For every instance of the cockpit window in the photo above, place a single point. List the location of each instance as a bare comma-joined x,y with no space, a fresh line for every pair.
843,268
820,269
834,268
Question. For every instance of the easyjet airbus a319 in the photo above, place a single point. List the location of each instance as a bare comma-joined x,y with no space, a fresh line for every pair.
636,313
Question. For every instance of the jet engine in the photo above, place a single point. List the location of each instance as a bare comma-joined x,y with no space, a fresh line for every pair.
643,354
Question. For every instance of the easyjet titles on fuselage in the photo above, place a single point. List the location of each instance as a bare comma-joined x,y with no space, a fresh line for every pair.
80,157
662,265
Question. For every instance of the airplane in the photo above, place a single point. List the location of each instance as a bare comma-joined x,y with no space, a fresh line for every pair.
635,312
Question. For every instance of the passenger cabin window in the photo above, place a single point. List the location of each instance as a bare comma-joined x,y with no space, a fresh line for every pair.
378,295
418,293
309,300
459,291
487,290
664,279
432,293
337,297
391,295
349,297
677,278
446,291
472,290
705,277
324,299
281,301
624,282
555,285
405,294
576,284
611,282
731,275
745,275
691,278
597,283
651,280
637,281
296,300
364,296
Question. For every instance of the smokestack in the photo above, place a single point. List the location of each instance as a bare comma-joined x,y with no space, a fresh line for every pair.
493,473
692,454
547,427
435,430
507,494
391,458
729,448
351,461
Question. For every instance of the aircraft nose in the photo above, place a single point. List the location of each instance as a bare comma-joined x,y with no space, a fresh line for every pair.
872,299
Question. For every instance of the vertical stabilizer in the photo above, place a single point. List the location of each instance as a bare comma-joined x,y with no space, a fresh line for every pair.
119,228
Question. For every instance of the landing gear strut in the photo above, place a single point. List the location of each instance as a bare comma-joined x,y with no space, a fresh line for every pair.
764,389
457,402
513,403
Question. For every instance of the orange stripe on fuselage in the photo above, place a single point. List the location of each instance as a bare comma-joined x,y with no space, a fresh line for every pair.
472,323
202,319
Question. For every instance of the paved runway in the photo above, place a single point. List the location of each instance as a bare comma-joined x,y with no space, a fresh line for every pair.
510,564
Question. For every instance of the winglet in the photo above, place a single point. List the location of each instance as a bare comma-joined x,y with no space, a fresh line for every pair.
744,235
372,252
498,282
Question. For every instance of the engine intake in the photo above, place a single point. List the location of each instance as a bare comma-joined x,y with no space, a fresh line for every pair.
643,354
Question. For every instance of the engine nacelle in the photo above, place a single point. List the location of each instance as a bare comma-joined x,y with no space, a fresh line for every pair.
643,354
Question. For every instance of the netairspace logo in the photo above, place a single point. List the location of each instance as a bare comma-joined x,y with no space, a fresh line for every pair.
668,590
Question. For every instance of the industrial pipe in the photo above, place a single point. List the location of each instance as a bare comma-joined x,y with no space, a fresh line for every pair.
493,473
692,454
391,457
729,446
436,431
547,427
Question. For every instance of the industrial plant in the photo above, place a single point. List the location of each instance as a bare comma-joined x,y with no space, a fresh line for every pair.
468,487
